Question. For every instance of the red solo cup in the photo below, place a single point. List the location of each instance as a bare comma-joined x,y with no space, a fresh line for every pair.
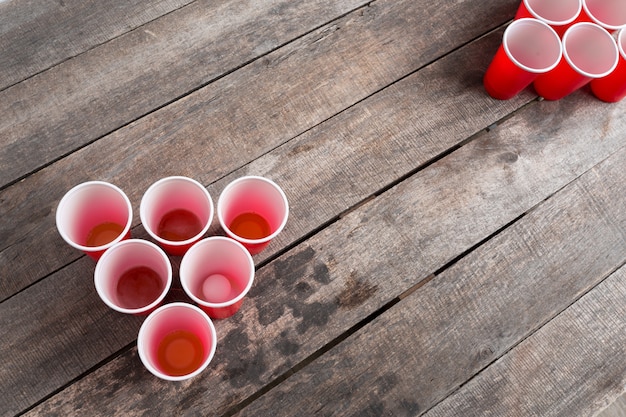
217,273
176,341
612,88
529,47
133,276
252,210
559,14
610,14
93,216
589,52
176,212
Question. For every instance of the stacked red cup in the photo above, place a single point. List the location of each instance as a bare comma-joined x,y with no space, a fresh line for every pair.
560,46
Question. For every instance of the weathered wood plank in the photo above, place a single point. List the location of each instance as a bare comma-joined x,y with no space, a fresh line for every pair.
617,408
433,341
375,253
36,35
128,77
64,314
296,187
222,127
570,367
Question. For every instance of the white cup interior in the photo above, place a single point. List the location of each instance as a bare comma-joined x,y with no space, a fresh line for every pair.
532,45
253,195
216,255
554,12
174,193
170,318
610,14
590,50
121,258
88,205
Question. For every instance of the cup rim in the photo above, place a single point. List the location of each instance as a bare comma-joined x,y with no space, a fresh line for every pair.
66,197
595,20
234,236
554,22
143,212
528,20
108,254
141,348
198,246
604,33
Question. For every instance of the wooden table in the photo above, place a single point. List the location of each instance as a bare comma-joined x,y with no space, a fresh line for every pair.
446,253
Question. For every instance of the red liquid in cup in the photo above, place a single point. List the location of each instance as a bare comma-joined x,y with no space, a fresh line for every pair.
250,226
103,234
138,287
180,352
178,225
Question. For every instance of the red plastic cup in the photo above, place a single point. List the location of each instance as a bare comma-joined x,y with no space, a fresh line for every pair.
133,276
93,216
176,212
612,88
529,47
176,341
217,273
589,52
610,14
253,210
559,14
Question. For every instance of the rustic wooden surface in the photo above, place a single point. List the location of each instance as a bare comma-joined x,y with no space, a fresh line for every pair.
446,253
616,409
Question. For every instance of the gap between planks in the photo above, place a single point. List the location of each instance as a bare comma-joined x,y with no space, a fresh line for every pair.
349,332
177,98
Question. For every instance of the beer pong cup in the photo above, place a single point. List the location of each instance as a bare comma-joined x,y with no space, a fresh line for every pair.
559,14
529,47
133,276
610,14
176,341
176,212
93,216
252,210
612,88
589,52
217,273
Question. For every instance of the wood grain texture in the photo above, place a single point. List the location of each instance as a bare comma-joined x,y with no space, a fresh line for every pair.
222,127
616,409
570,367
296,192
36,35
328,284
130,76
432,342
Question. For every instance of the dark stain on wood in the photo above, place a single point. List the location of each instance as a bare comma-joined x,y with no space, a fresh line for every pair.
312,314
409,407
291,274
290,270
355,292
285,345
509,157
242,366
374,409
321,273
